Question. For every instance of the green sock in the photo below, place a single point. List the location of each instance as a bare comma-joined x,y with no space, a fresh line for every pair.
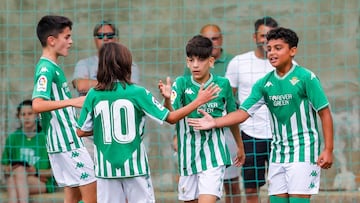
299,200
276,199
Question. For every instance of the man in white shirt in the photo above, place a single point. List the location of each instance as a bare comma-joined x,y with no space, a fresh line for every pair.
243,71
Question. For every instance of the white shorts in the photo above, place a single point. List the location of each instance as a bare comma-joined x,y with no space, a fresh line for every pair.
138,189
73,168
294,178
205,182
231,171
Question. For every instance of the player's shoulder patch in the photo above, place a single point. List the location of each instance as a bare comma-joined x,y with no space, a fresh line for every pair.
42,84
173,96
157,103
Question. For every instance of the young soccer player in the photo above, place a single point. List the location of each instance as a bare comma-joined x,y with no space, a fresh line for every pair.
202,155
222,60
72,165
114,112
293,95
243,71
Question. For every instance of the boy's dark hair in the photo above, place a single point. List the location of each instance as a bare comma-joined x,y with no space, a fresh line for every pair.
267,21
101,24
27,102
289,36
199,46
51,25
115,62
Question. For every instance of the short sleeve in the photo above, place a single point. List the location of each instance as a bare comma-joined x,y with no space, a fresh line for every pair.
152,107
176,93
231,104
232,73
5,159
80,70
85,121
255,99
135,73
42,82
315,92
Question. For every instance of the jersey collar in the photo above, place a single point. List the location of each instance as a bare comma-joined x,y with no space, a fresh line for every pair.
210,80
47,59
288,73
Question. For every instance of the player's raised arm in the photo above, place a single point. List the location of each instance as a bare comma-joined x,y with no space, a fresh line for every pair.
165,91
208,122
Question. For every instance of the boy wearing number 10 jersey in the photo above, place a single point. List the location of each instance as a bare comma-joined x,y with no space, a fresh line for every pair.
114,112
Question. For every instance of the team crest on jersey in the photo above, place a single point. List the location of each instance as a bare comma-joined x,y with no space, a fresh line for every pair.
161,107
173,96
41,84
294,80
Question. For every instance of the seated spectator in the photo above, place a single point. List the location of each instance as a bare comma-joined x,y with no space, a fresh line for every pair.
25,159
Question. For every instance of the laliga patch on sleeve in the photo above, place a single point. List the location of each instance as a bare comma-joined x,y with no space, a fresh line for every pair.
173,96
161,107
41,84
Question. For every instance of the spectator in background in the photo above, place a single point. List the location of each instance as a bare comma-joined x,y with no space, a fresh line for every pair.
243,71
86,69
84,76
25,159
222,59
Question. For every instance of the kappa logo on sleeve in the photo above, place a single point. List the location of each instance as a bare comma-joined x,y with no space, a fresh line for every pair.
43,70
41,84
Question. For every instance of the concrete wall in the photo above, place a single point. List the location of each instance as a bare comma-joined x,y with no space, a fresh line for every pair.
156,32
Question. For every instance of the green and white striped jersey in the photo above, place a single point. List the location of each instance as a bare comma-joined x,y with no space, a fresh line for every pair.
117,119
201,150
59,125
293,101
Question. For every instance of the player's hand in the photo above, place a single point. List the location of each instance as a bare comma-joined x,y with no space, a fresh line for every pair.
175,143
205,95
78,101
204,123
43,178
31,170
165,89
325,159
240,158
